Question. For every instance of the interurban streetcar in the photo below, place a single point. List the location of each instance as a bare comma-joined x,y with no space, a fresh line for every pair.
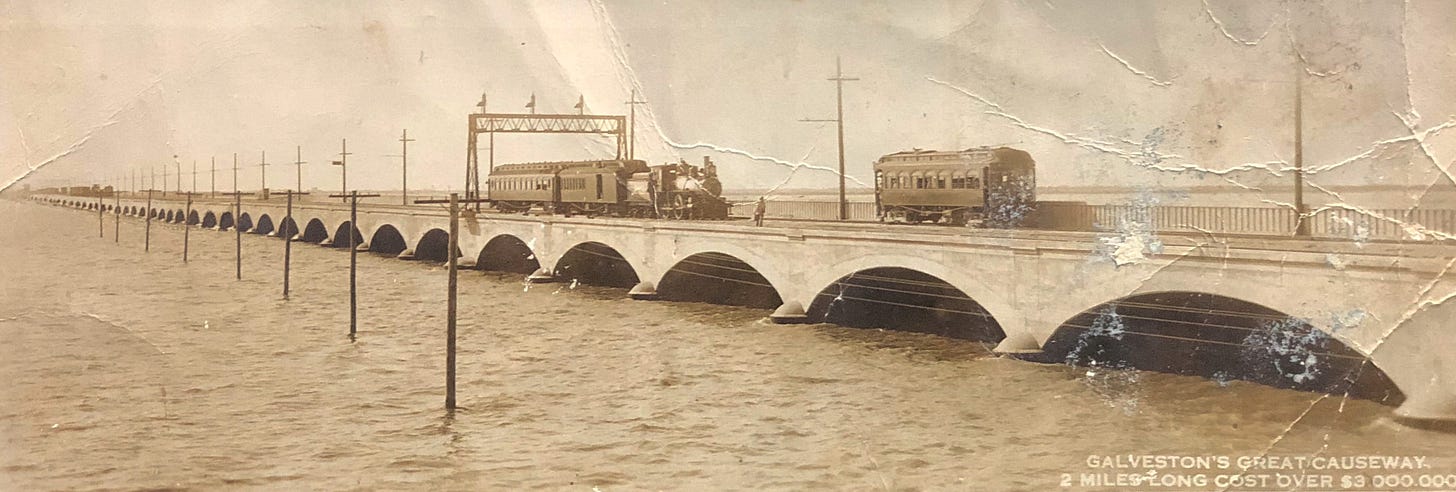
996,186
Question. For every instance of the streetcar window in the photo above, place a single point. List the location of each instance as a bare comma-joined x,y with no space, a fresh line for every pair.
940,182
973,182
957,183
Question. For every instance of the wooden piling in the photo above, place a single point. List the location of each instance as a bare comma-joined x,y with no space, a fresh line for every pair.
186,228
453,288
452,266
147,246
353,198
287,242
237,217
353,264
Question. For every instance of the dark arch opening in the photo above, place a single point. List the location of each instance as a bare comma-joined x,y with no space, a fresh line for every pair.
225,222
192,218
387,241
717,278
314,232
245,222
209,220
596,264
433,245
1223,338
169,217
288,229
264,225
507,253
179,216
907,300
341,235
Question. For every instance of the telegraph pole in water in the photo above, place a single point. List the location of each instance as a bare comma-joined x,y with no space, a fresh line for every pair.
453,289
237,216
353,199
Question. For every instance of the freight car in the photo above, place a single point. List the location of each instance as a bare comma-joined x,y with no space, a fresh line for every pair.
621,188
995,186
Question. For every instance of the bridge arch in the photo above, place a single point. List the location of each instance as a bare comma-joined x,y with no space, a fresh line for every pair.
192,218
315,232
387,240
264,225
340,238
507,253
225,221
1218,336
245,222
209,220
905,299
718,278
978,283
287,229
433,245
595,263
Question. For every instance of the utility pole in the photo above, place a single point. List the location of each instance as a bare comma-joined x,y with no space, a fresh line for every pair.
298,165
1301,222
194,176
214,177
187,226
235,180
632,125
164,180
179,173
839,79
472,157
404,141
451,295
263,173
353,199
343,164
288,239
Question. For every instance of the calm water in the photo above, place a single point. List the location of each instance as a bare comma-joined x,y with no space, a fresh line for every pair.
125,370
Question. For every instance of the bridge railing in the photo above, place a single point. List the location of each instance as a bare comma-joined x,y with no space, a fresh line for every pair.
1078,216
806,209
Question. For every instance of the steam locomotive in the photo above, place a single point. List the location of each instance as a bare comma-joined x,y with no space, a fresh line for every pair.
619,188
995,185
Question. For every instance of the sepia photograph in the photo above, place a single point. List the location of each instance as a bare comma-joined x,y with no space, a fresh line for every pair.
620,245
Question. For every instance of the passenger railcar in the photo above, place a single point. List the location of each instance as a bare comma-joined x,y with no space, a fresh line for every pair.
995,186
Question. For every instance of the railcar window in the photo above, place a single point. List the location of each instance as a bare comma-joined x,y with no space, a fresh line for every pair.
957,183
974,182
940,182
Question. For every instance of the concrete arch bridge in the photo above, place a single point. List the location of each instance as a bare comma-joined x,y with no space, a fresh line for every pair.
1327,315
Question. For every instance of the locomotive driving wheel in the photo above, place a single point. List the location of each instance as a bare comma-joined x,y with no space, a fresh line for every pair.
679,208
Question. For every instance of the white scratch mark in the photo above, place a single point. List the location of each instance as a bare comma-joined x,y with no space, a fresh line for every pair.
1133,69
1224,30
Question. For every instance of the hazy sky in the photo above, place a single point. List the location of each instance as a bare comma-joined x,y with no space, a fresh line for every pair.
1100,93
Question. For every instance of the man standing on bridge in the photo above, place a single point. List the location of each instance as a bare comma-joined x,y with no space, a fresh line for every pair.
758,213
